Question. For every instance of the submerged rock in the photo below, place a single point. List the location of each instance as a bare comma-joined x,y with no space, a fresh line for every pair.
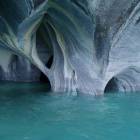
80,45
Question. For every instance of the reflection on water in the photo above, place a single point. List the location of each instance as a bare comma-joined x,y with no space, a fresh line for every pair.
28,112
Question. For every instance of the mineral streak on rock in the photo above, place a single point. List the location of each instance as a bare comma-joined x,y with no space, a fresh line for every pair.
82,46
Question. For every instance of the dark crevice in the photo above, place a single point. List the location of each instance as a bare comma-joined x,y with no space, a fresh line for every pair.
44,46
45,52
44,79
111,86
50,61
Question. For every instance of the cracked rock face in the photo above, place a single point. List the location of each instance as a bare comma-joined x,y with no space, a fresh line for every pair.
86,46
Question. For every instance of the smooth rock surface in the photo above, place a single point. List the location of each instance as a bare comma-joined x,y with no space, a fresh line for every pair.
91,42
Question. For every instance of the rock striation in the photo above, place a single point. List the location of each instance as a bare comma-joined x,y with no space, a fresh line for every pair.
82,46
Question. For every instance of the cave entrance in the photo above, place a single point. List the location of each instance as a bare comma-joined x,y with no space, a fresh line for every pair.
43,77
44,50
50,62
44,46
111,86
45,80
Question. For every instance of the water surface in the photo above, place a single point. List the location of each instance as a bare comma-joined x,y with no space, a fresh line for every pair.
28,112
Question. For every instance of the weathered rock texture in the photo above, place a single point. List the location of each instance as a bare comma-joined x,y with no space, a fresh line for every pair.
93,45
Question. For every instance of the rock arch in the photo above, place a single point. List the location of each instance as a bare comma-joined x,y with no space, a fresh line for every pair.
127,80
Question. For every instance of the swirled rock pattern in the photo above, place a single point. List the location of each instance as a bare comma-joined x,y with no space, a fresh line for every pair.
94,44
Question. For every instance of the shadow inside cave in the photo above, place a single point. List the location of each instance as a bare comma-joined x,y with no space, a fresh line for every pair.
111,86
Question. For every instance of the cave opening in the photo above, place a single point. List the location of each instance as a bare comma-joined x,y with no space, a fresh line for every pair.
45,80
50,62
43,77
44,50
111,86
44,46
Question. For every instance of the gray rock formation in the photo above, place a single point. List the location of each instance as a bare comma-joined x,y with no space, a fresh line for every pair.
94,44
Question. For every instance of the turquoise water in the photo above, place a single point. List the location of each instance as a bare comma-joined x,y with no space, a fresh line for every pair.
27,112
